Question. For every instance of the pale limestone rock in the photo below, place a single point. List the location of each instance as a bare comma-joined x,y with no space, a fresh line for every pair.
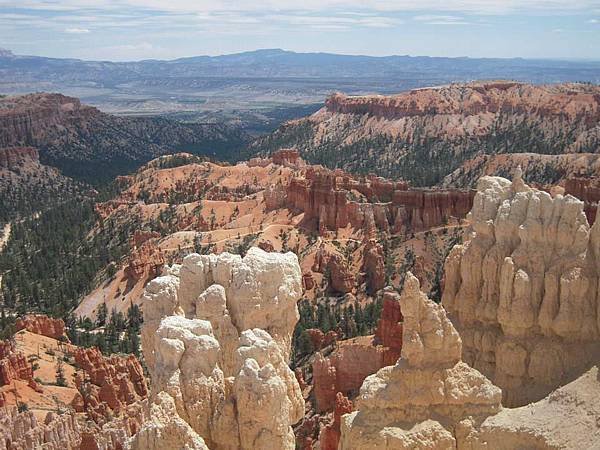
23,431
166,429
396,406
218,338
566,419
524,291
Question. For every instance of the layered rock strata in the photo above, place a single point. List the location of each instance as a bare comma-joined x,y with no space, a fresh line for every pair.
12,157
524,292
216,338
325,197
418,402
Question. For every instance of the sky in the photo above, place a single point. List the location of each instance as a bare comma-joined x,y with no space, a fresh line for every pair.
121,30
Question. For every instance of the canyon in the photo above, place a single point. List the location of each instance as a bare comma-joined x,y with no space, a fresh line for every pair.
280,203
455,310
79,139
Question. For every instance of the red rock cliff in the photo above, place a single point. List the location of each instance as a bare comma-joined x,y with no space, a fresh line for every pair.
25,119
14,366
44,325
565,100
325,197
13,157
108,385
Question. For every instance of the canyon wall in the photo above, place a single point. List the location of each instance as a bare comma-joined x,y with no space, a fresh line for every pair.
216,339
13,157
25,120
325,197
345,369
473,99
523,292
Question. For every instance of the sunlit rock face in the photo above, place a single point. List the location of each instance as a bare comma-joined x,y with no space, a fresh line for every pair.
216,337
523,292
417,402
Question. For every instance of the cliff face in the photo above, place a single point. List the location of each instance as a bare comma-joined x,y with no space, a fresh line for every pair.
424,135
13,157
216,338
478,98
523,292
325,197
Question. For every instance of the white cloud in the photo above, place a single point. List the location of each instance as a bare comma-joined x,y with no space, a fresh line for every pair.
76,30
467,6
593,21
431,19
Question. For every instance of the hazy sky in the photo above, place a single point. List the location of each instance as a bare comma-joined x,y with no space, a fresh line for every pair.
138,29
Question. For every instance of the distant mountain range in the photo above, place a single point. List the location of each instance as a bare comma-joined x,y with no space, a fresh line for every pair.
287,64
224,88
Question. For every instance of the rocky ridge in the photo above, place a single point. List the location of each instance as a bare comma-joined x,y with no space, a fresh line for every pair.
424,135
79,139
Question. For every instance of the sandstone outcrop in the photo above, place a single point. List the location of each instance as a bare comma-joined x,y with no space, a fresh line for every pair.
43,325
326,198
329,437
145,262
288,157
216,339
341,276
523,292
567,418
14,366
23,431
418,402
389,328
588,190
345,369
374,265
108,385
